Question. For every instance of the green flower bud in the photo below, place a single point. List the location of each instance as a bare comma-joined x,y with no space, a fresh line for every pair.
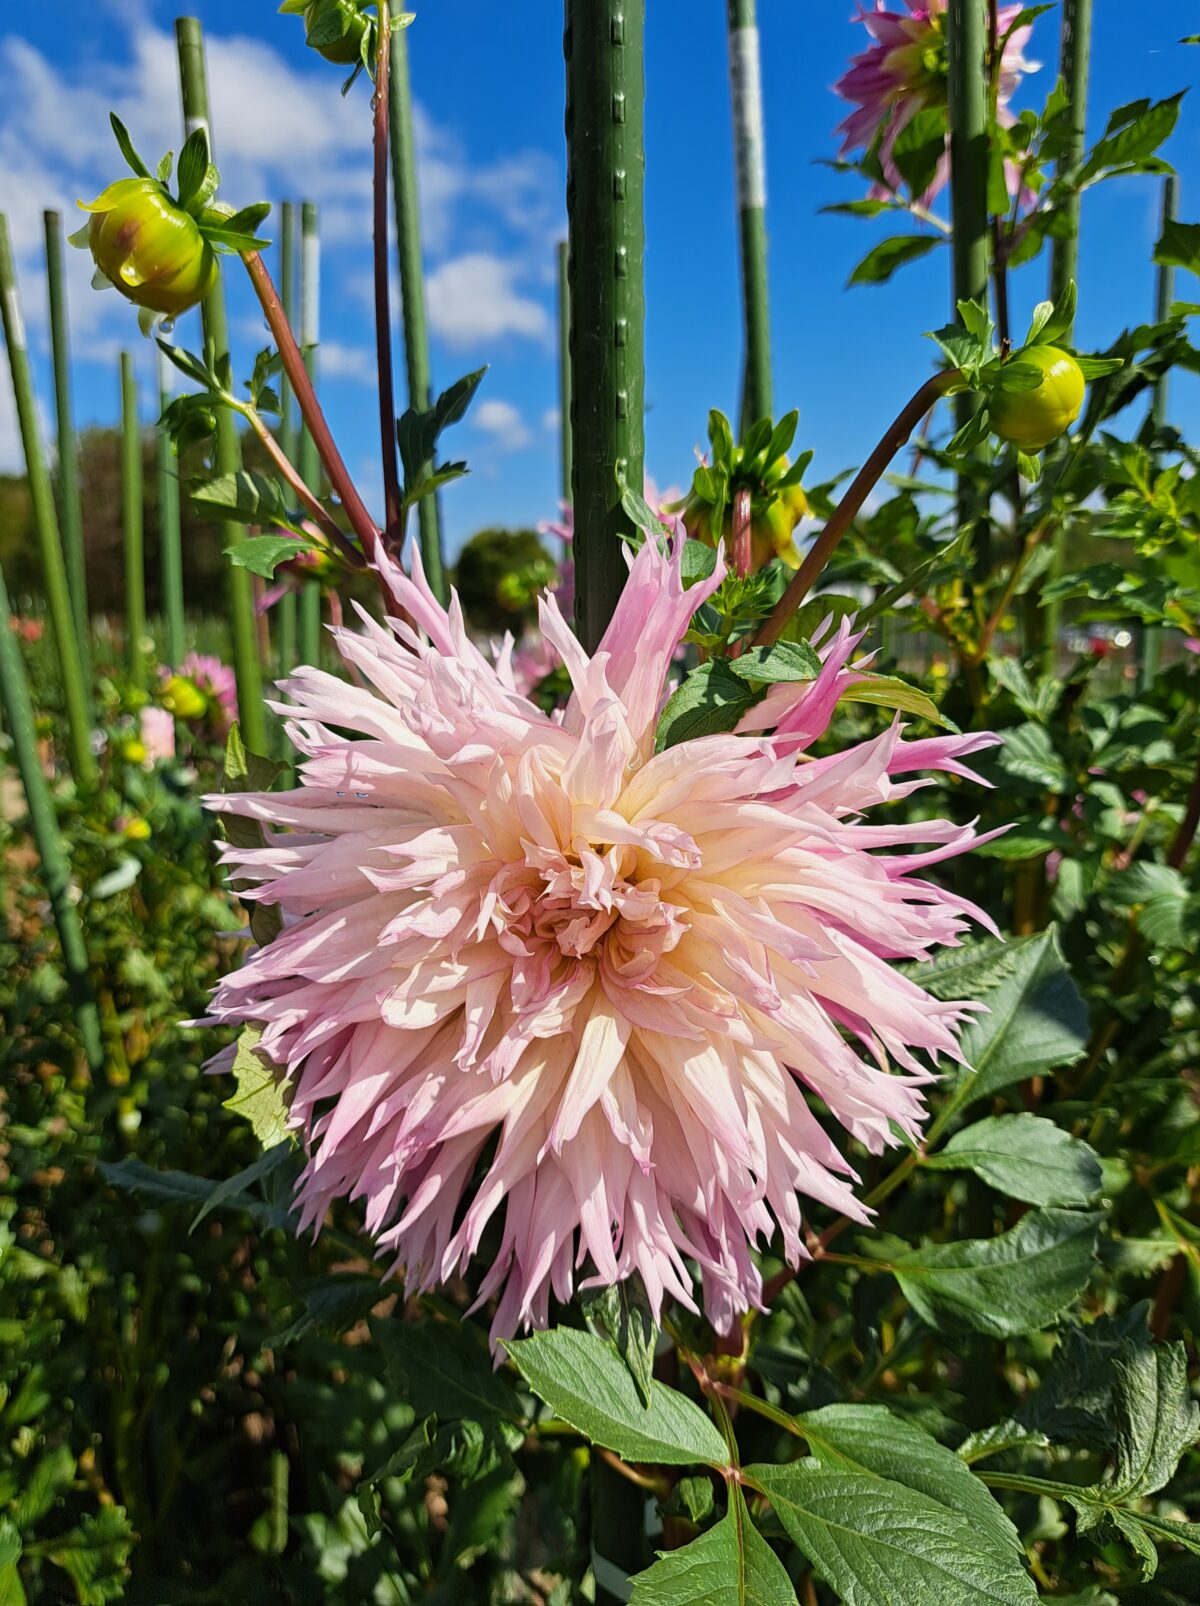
1031,419
149,248
335,29
183,698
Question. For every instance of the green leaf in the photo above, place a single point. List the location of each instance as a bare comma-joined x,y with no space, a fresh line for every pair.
1179,245
262,1166
182,1187
223,238
444,1369
730,1565
871,1438
919,147
1154,1415
583,1380
126,145
248,219
259,1097
882,260
1018,1282
245,771
878,1543
189,364
194,192
332,1304
12,1591
93,1555
1029,467
1025,1157
883,691
621,1312
1096,367
243,496
784,662
1134,133
262,554
1060,318
711,699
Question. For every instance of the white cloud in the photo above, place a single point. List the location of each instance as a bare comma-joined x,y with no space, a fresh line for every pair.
552,419
338,361
474,298
502,421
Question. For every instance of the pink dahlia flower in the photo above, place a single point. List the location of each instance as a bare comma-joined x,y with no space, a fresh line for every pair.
156,729
902,71
218,683
532,971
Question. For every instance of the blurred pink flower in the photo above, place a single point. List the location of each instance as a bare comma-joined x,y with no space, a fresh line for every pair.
902,71
218,683
531,968
157,732
1191,644
25,629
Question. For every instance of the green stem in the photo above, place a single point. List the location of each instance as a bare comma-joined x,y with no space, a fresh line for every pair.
45,518
564,375
247,669
52,853
392,515
1151,653
604,44
750,166
967,45
412,289
170,537
132,527
286,609
307,459
70,501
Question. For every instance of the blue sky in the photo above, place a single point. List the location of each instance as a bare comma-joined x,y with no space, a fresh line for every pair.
488,81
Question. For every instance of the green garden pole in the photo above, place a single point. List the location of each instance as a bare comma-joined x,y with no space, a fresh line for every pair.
564,375
170,538
606,233
1151,655
133,526
45,518
252,712
604,49
286,606
412,287
1074,55
51,850
967,46
308,462
750,171
70,502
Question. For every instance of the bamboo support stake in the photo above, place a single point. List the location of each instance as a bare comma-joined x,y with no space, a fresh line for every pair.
70,500
170,536
307,459
564,376
252,712
133,527
51,850
605,173
750,170
287,605
967,45
412,289
45,518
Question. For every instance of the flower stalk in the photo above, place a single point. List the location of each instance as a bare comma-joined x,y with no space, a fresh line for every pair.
45,519
843,516
170,539
247,669
392,513
750,168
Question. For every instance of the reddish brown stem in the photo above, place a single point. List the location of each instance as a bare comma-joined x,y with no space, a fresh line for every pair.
847,510
361,521
383,313
741,533
320,515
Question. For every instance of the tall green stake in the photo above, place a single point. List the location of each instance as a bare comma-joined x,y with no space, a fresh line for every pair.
1045,617
967,44
603,45
45,518
251,710
52,853
1151,655
286,606
412,287
132,526
606,232
170,539
750,171
564,375
308,462
70,502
